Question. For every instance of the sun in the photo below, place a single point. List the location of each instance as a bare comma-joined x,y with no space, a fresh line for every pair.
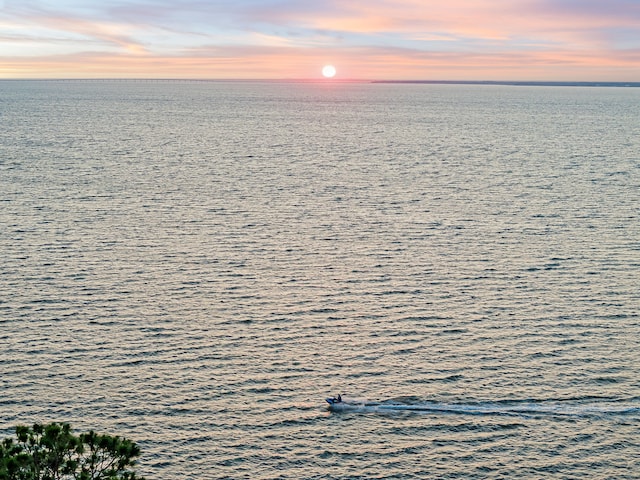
328,71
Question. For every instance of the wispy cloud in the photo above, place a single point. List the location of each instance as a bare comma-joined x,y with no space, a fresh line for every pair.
283,38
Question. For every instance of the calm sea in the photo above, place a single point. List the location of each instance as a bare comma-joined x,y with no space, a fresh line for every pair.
197,265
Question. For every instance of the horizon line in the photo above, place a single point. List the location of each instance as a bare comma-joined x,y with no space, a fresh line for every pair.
589,83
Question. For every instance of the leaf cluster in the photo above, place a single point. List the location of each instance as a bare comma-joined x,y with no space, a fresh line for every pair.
53,452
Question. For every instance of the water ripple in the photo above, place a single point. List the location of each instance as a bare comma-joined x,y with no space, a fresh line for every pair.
196,265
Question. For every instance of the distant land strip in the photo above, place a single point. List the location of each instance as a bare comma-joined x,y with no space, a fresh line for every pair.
524,83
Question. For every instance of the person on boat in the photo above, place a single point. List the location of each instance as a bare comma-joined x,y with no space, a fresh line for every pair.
334,400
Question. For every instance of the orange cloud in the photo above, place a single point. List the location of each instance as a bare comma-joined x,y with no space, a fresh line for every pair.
362,63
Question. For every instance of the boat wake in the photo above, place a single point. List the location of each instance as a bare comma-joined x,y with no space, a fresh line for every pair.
507,407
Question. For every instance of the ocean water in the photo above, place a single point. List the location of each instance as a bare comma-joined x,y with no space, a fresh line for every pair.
197,265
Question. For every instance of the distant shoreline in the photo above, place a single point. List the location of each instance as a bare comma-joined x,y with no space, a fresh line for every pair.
523,83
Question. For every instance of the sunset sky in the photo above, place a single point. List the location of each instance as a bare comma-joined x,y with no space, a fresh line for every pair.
565,40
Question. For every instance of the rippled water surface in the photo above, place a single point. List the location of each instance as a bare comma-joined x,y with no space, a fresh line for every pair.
197,265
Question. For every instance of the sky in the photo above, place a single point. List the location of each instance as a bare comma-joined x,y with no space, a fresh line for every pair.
501,40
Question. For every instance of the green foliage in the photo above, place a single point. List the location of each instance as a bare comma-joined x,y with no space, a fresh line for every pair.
53,452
